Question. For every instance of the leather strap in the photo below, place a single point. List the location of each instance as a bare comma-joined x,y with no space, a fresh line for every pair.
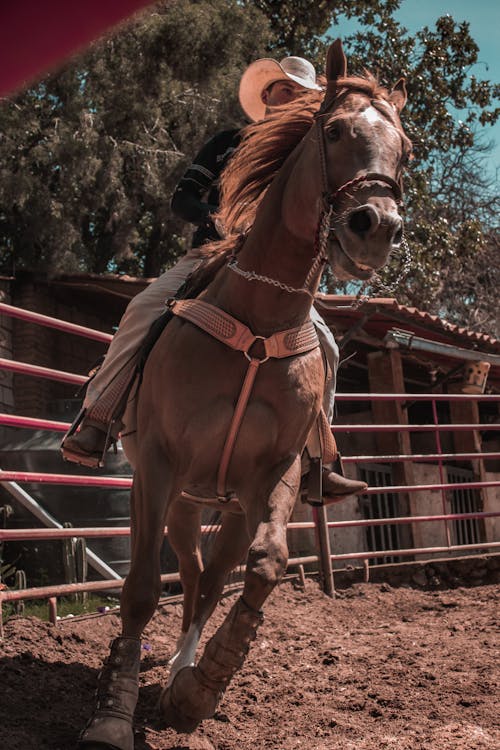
234,427
237,335
223,327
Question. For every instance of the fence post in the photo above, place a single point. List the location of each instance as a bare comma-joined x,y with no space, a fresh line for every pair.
81,567
325,560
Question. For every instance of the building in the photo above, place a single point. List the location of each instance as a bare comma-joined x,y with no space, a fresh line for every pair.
385,348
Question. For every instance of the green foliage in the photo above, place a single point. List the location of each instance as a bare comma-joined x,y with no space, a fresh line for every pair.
299,25
66,606
90,156
452,201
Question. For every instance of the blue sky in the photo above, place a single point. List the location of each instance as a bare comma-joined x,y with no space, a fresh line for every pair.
484,19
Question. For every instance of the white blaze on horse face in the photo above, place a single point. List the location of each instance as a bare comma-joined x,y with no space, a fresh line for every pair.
371,115
375,120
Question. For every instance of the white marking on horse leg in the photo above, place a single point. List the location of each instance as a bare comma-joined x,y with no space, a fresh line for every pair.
186,655
178,646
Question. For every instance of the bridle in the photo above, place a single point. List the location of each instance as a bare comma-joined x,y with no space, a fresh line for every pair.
324,229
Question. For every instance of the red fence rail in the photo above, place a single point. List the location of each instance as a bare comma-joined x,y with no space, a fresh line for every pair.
439,457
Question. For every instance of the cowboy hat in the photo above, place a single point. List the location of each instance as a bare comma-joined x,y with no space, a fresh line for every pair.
262,73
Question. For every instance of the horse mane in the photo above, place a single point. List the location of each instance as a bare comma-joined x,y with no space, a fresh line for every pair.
263,149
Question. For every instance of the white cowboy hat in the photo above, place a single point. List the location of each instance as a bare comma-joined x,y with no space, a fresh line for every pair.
262,73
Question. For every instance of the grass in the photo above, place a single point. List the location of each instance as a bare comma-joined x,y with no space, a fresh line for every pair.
65,606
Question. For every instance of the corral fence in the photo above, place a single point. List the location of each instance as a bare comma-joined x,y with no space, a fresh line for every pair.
381,523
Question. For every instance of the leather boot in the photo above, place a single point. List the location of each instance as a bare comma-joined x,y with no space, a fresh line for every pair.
336,487
196,691
87,447
320,485
117,692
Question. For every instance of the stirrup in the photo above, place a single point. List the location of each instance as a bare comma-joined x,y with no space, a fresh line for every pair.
93,460
312,489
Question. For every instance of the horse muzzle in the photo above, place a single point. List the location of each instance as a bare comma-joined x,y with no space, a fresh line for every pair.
363,239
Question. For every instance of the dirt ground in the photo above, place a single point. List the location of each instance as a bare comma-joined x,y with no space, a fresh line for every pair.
378,667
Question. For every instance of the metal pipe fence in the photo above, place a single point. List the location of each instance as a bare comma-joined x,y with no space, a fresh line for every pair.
438,457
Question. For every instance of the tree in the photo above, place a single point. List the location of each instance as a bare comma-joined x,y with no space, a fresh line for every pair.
451,198
299,26
90,156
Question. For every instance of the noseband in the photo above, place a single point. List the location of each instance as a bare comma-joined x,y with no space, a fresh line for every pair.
330,197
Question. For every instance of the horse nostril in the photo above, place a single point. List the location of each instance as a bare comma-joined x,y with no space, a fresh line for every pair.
360,222
398,236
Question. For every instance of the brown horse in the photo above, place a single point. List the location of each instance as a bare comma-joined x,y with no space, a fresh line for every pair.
319,180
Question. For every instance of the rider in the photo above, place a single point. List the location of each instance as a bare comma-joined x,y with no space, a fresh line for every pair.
264,84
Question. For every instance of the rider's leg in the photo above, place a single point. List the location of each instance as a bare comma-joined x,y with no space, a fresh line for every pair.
107,389
334,485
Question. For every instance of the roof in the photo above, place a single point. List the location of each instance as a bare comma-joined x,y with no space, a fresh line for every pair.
339,311
366,324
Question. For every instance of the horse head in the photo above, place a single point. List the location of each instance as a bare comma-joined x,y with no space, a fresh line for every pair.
363,150
360,148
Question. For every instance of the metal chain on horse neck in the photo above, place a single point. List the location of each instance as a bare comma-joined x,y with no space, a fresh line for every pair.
377,286
320,258
232,264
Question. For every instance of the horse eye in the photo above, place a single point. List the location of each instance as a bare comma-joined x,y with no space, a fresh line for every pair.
333,132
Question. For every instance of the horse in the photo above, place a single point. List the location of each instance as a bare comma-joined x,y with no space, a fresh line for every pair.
234,384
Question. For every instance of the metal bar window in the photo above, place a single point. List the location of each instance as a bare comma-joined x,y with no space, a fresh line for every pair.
466,500
381,505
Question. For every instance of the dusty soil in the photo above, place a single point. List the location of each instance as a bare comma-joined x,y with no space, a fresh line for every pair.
376,668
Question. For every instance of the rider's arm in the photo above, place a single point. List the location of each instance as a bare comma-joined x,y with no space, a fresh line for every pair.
189,199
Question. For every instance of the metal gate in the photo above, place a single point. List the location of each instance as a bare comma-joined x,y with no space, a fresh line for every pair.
381,505
464,500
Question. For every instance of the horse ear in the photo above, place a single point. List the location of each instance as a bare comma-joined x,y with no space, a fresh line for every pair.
398,95
336,63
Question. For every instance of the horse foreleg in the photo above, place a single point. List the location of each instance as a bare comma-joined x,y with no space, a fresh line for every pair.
196,691
118,687
228,550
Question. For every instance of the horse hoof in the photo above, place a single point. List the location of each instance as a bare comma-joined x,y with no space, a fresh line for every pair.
186,702
173,717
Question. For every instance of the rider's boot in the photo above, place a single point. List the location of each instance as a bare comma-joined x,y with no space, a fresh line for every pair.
96,428
336,487
87,446
321,485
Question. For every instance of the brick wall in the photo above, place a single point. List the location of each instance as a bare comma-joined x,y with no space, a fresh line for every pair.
35,344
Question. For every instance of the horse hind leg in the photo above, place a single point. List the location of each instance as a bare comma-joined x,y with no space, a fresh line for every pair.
196,691
110,727
184,535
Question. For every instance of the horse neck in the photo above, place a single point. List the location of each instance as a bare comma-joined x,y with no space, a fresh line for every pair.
270,250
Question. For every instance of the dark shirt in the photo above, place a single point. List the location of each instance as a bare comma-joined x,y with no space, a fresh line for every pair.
197,194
